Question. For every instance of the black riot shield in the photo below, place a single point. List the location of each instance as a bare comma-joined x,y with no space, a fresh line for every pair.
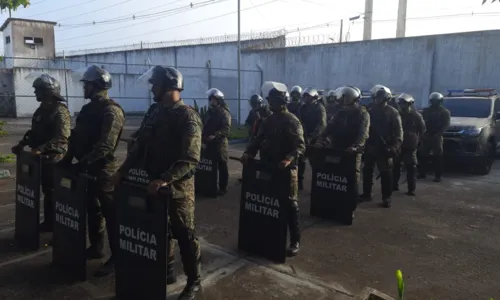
27,230
207,172
334,189
70,222
264,210
142,242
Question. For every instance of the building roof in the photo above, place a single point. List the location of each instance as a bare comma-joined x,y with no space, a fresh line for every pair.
25,20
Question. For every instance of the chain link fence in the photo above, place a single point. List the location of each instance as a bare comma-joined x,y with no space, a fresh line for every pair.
18,100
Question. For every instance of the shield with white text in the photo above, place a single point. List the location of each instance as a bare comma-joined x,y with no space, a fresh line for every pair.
142,242
334,185
264,206
70,222
28,179
207,172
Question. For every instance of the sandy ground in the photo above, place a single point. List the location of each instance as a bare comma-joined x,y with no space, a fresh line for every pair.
445,240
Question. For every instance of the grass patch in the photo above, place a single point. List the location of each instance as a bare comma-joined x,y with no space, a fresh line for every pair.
238,132
9,158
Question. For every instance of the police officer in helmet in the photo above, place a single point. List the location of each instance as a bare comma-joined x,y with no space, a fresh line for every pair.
437,120
349,129
295,103
334,104
48,136
413,128
383,144
93,143
215,134
172,163
280,142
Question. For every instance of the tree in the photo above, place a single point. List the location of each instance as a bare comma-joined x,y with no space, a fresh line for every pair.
12,5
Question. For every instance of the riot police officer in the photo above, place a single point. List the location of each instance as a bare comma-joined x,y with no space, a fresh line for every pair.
313,117
349,129
152,110
334,104
413,128
260,112
295,105
48,136
437,120
93,143
384,143
169,162
215,134
280,141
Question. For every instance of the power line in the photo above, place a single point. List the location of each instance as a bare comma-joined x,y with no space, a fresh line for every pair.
63,8
138,17
175,27
147,21
102,8
72,26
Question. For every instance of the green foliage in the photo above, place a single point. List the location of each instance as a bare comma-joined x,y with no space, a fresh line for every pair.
201,111
2,132
7,158
238,133
13,5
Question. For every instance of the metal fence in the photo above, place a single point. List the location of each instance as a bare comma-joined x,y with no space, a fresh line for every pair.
17,97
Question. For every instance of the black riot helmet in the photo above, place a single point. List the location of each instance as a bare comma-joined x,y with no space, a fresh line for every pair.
48,83
217,94
256,101
382,95
348,95
331,96
98,76
167,77
436,98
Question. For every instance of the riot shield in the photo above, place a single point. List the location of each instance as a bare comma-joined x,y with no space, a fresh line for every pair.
28,179
334,189
70,222
264,210
207,172
142,242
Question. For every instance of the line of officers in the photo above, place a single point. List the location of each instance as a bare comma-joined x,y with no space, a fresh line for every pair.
382,135
167,146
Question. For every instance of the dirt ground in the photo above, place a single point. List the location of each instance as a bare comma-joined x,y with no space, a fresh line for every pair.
445,240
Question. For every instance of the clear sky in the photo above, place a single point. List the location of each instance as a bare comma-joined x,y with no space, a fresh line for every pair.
120,22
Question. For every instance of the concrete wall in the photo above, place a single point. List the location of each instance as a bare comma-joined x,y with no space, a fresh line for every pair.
417,65
7,48
7,100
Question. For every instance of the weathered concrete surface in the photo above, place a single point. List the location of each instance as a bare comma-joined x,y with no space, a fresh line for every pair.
445,240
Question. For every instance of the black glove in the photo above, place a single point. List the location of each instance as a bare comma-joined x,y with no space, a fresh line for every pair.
17,149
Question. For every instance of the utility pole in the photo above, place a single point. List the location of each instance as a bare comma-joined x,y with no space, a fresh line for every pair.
341,29
401,25
239,61
367,28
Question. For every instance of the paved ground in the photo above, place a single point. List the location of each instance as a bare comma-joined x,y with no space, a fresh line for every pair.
445,240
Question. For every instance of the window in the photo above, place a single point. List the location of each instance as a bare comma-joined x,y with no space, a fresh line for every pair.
497,106
38,40
33,40
7,40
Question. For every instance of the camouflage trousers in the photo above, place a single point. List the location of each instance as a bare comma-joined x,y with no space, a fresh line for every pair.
384,165
408,157
182,228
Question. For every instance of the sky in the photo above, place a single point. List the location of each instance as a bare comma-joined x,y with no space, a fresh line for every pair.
89,24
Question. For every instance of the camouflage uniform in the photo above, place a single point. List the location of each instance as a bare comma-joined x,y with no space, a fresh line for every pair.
332,109
171,150
49,134
313,117
93,142
437,120
386,136
413,128
218,124
281,137
152,110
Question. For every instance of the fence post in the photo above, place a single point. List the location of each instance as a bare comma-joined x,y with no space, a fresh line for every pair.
209,69
65,79
261,80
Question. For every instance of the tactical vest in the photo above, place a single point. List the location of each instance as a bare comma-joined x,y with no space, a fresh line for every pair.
277,142
87,131
346,126
42,125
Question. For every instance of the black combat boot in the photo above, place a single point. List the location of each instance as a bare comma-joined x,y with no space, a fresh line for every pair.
171,278
386,202
387,187
438,168
294,227
222,191
107,268
95,251
367,185
192,289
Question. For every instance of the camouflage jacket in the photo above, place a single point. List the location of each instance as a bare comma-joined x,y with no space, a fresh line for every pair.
294,107
169,148
437,119
386,130
350,128
152,110
50,129
97,132
218,124
280,137
413,128
332,109
313,117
